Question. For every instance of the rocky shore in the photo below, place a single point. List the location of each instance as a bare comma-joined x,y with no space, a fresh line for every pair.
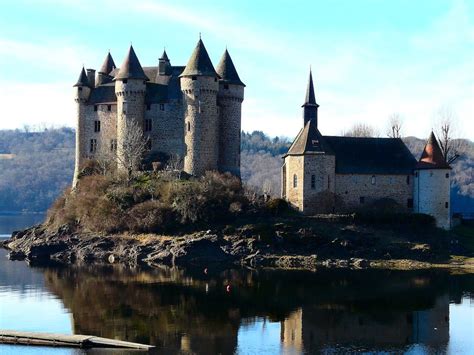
309,245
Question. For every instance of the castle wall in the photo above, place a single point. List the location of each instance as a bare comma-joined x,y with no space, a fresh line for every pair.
350,188
201,124
230,99
167,128
432,195
294,166
319,197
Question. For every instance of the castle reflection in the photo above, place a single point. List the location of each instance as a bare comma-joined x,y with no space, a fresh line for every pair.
190,311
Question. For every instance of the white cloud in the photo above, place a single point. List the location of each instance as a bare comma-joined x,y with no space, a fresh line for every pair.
37,104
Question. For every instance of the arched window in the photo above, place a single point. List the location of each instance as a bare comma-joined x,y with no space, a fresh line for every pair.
295,181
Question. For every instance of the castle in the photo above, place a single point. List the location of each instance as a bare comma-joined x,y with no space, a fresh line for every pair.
191,112
330,173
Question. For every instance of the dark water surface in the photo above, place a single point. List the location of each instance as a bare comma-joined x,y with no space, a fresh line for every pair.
262,312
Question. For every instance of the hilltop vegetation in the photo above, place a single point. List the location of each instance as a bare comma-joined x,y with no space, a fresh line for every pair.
39,166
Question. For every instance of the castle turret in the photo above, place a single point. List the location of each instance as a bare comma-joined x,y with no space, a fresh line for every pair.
164,65
82,92
310,107
432,184
199,85
130,89
103,76
230,97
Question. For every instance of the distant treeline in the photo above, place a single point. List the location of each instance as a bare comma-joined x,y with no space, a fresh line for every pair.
36,166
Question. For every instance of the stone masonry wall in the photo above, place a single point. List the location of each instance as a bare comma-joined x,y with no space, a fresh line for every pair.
322,167
167,128
351,187
294,166
230,99
201,124
432,195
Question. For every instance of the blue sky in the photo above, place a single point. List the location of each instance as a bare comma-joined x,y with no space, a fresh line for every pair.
370,58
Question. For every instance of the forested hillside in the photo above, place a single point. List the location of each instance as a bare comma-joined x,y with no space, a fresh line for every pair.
36,166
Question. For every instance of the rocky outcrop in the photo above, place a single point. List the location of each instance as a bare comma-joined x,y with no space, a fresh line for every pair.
281,245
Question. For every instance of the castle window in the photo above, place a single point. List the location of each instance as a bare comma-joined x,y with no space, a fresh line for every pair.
113,145
372,180
313,181
147,125
93,146
124,81
189,127
96,126
362,200
446,205
148,144
162,107
109,107
410,203
148,107
79,88
226,86
295,180
95,107
124,107
408,179
194,78
416,174
329,182
447,175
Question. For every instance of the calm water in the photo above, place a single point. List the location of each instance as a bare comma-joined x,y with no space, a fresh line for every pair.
263,312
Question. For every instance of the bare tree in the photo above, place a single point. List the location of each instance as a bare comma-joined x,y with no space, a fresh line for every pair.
106,159
361,130
131,151
395,126
446,124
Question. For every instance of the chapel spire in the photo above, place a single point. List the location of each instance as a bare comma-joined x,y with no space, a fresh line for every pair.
310,107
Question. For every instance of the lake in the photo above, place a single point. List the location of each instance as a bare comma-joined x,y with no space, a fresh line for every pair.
239,311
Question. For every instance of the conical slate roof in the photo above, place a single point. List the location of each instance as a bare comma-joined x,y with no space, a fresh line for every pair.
432,156
227,71
164,56
83,80
131,68
309,141
108,65
199,64
310,99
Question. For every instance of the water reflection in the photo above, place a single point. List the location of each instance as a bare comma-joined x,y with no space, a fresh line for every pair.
191,311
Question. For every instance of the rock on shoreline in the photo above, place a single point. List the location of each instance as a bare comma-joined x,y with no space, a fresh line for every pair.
38,246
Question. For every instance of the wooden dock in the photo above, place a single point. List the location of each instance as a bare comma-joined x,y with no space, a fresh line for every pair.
63,340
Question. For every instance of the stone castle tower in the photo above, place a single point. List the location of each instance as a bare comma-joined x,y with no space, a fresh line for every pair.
191,112
432,190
